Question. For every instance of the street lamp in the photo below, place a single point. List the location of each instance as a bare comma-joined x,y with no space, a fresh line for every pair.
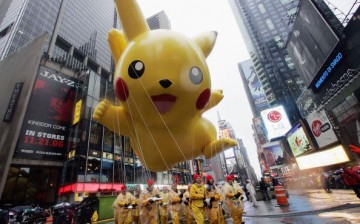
198,162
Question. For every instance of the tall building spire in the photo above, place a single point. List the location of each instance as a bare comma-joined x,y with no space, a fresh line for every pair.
218,115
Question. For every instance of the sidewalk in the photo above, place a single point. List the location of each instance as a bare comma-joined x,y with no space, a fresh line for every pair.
302,202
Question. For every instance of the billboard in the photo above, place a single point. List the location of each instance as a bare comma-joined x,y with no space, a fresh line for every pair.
225,133
299,140
273,153
48,117
311,41
229,153
252,81
276,122
328,157
321,128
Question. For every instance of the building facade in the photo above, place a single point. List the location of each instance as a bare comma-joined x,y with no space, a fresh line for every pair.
55,136
265,26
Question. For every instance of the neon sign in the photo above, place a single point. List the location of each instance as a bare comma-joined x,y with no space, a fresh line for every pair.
329,69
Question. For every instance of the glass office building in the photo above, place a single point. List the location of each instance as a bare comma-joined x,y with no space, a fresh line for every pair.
265,26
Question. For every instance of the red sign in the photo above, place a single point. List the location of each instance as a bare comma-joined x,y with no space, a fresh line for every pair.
316,128
274,116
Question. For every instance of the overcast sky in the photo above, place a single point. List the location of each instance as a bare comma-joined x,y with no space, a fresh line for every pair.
192,17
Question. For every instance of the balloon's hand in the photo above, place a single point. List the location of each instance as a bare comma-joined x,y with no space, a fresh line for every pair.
101,110
113,117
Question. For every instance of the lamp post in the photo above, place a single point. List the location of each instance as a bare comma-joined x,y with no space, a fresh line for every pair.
198,162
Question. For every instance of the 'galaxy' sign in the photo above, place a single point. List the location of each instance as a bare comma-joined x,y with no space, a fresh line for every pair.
329,69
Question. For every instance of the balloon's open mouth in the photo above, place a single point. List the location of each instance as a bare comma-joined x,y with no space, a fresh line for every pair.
163,102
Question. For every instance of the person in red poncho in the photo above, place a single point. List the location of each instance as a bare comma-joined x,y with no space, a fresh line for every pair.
352,179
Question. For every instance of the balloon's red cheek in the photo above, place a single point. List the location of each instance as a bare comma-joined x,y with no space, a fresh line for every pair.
121,89
203,99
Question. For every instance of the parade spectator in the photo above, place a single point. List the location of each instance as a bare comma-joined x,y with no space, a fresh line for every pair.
233,199
246,193
264,189
252,193
274,181
214,197
352,179
197,196
148,206
326,183
121,204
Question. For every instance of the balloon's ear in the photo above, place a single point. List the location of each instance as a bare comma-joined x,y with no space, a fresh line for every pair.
131,18
206,41
117,42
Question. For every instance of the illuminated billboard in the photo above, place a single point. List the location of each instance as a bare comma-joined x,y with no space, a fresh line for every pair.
311,41
321,128
273,153
229,153
48,117
328,157
299,140
225,133
276,122
252,81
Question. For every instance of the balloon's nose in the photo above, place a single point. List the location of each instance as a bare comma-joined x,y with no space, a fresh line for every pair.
165,83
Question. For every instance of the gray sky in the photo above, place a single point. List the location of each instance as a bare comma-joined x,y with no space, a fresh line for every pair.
192,17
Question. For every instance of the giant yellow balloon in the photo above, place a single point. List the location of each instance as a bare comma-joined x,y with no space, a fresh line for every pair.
163,84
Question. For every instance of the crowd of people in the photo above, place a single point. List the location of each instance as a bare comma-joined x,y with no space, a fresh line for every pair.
207,200
200,201
318,180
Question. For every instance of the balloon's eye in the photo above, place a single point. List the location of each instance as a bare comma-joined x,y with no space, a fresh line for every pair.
196,75
136,69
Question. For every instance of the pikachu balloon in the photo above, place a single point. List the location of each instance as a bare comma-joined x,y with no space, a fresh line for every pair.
163,84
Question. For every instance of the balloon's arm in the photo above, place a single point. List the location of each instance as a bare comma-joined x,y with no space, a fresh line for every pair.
112,117
215,98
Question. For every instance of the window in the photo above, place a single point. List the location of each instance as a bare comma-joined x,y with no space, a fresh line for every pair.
107,172
289,62
291,12
346,110
262,8
284,2
270,24
279,41
108,140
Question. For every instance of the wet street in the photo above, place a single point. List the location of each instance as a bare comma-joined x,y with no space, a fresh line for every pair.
305,207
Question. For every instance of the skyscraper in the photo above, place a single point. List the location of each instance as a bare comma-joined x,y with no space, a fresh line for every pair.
265,26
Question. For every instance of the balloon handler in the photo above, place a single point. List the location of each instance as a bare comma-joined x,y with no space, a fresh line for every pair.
163,85
123,205
234,199
149,198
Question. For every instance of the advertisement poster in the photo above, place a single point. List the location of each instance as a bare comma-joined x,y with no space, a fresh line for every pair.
48,117
255,87
298,141
273,153
321,128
